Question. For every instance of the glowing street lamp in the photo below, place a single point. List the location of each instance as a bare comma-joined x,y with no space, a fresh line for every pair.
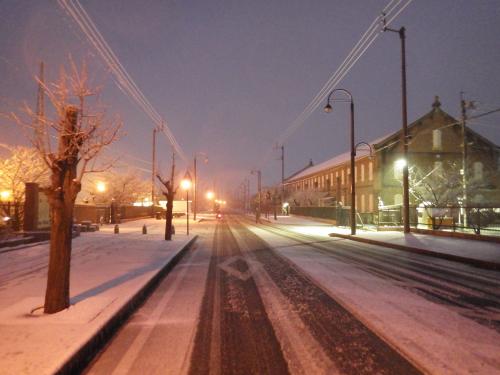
400,164
100,186
186,185
5,195
210,195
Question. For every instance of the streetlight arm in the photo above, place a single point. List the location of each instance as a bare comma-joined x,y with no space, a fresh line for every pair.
339,100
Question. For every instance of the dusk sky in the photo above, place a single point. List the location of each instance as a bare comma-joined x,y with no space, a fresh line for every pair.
229,77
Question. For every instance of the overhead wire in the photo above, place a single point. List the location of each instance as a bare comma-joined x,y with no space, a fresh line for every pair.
123,79
390,12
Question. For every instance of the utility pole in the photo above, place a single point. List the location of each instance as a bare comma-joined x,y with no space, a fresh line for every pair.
404,132
195,198
464,156
282,176
153,172
40,106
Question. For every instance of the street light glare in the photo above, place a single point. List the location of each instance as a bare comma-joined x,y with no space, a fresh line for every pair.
101,187
210,195
5,195
400,163
186,184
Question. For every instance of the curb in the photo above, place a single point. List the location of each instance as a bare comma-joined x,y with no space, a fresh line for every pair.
86,353
456,258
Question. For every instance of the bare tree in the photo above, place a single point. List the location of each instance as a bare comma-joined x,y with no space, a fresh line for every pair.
169,194
439,186
23,165
81,132
123,188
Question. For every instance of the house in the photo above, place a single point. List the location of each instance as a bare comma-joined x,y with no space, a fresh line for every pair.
435,161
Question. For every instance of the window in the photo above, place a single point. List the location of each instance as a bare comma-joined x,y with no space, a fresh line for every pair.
370,202
436,140
370,171
398,199
315,184
478,170
363,203
343,177
362,177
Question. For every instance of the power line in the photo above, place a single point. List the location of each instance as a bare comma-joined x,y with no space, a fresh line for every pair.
390,12
124,81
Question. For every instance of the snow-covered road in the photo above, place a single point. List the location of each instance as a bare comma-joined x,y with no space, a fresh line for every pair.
442,315
273,299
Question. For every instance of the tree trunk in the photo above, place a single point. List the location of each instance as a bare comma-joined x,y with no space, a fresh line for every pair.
169,215
62,194
57,292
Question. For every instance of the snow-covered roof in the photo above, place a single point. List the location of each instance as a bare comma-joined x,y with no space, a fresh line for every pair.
335,161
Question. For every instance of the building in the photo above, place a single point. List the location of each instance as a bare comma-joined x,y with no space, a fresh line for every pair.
435,160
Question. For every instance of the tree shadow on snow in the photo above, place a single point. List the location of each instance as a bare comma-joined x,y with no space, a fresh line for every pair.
132,274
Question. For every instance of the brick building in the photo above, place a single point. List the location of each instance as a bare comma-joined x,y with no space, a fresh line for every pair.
435,160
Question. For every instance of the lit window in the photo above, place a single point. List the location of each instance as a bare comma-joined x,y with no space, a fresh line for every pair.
363,203
370,171
370,202
362,172
343,177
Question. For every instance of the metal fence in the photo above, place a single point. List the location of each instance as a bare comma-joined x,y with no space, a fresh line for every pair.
471,219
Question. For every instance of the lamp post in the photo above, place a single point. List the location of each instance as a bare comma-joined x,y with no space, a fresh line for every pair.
186,185
195,197
328,109
404,132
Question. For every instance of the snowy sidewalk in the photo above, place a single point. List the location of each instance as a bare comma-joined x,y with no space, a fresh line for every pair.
110,274
479,253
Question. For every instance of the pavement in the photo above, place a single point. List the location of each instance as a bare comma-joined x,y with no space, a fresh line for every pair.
477,253
111,275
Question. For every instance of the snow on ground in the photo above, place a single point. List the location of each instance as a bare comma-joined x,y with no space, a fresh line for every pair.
437,337
481,250
107,269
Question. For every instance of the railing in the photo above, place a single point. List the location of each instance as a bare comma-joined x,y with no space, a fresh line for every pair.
471,219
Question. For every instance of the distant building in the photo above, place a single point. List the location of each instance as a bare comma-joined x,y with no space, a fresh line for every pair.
435,159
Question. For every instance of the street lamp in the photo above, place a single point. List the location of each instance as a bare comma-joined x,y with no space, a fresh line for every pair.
5,195
100,187
328,108
186,185
404,132
195,199
210,195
